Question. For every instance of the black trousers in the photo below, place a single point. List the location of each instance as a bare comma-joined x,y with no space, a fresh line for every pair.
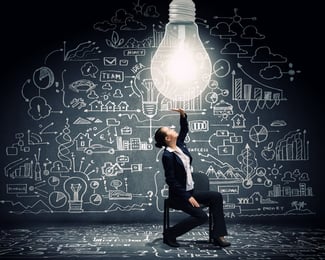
197,216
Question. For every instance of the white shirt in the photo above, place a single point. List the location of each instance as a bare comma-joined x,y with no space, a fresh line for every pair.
187,165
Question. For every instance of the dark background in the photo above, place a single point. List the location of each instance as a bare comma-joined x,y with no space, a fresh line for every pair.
29,29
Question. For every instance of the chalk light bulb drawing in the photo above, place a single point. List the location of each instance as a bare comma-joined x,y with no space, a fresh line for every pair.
149,94
75,187
181,67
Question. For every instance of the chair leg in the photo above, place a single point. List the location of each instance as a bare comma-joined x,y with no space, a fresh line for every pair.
210,226
166,216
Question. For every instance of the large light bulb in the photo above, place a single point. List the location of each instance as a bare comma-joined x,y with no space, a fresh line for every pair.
181,67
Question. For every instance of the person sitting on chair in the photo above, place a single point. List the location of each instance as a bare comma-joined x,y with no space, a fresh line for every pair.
177,161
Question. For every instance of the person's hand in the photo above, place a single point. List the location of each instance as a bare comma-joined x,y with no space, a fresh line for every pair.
180,111
193,202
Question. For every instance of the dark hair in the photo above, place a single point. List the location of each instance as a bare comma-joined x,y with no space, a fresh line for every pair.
160,138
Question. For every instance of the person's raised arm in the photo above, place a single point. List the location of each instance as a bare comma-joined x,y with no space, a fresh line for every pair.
183,124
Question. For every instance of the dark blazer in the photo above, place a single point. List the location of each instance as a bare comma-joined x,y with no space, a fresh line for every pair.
175,174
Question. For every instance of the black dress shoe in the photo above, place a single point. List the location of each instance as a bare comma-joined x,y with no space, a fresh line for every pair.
171,241
221,242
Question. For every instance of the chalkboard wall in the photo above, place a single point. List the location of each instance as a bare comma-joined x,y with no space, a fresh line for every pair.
77,135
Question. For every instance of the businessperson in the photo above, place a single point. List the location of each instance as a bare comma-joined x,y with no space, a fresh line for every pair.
177,161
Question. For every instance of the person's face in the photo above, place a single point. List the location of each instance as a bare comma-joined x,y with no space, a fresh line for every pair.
171,134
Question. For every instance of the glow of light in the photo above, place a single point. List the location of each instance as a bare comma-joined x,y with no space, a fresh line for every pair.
181,67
